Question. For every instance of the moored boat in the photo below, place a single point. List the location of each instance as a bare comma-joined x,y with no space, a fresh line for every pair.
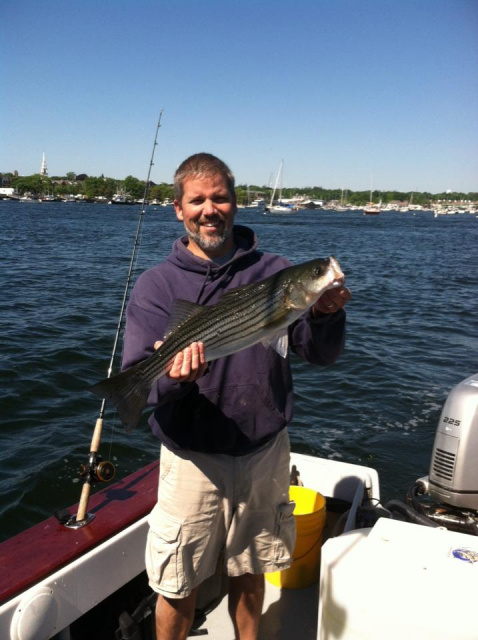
371,209
278,207
121,198
258,203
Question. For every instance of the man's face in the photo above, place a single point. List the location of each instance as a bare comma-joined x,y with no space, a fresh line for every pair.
207,210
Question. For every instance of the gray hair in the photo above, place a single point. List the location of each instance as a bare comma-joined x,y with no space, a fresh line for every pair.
201,165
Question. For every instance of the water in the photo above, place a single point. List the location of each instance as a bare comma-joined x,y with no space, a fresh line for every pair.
412,335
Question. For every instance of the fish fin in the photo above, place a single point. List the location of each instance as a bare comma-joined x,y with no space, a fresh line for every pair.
239,291
279,343
181,311
129,392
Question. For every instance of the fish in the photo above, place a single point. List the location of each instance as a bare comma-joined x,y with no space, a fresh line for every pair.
244,316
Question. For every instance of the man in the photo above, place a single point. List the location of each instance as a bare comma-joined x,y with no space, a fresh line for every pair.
224,473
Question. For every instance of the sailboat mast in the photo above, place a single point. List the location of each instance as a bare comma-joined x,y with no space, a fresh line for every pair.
280,181
279,173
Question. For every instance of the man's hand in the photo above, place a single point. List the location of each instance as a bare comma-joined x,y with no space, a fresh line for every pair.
187,365
332,300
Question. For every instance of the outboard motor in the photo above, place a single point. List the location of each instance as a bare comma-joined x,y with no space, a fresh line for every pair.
453,472
448,496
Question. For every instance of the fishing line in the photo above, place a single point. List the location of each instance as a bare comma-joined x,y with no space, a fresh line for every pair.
132,263
112,429
97,469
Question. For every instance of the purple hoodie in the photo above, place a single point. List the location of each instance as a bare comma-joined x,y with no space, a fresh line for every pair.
244,399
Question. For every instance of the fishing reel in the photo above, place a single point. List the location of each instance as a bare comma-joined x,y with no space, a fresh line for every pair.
97,469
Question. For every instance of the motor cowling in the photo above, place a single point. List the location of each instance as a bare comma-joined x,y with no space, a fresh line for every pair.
453,475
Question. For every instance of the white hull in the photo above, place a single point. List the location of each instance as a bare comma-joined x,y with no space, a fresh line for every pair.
280,209
371,210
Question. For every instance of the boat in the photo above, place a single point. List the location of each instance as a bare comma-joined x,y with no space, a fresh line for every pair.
408,207
341,207
370,208
402,569
279,207
121,197
258,203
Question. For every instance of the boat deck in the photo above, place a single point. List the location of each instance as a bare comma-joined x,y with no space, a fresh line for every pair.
277,620
287,613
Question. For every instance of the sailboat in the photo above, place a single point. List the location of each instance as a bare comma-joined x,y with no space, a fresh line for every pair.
341,206
408,207
278,208
371,209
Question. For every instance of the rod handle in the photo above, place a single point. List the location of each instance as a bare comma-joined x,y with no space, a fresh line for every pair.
85,491
83,505
96,439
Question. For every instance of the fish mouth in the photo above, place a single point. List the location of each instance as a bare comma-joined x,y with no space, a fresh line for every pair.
337,273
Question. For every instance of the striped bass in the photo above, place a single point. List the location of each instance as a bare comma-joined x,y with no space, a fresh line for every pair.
257,312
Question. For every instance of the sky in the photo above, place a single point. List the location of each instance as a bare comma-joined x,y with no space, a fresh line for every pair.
348,93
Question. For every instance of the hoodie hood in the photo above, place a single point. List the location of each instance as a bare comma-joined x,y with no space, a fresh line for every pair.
245,240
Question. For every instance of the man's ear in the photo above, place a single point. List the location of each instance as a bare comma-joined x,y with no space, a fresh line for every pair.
179,210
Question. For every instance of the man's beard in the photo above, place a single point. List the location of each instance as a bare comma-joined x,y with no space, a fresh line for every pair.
209,243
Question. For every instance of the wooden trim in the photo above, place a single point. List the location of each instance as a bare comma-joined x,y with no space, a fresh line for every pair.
41,550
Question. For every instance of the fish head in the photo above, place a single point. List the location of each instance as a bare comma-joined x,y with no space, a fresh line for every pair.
310,280
321,274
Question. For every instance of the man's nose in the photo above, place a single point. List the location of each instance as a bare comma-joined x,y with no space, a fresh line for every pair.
208,207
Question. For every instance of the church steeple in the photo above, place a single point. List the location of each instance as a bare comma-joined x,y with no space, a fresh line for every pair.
43,170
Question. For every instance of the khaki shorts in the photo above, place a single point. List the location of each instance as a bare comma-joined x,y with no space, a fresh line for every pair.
213,506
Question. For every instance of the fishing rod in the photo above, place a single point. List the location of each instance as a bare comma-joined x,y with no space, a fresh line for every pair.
97,469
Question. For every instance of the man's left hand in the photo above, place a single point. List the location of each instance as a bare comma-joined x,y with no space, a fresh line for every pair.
332,300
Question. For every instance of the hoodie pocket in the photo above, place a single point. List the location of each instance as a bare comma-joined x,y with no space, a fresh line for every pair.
252,411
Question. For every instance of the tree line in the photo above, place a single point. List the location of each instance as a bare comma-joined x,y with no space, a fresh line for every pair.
88,186
100,187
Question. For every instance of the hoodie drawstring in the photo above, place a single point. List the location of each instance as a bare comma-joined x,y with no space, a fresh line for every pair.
224,281
208,273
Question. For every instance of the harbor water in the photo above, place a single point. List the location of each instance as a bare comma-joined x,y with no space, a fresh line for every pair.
412,335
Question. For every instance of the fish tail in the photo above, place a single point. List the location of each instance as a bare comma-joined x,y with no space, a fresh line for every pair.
129,391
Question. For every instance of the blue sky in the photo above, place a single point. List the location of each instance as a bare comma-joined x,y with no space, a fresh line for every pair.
338,89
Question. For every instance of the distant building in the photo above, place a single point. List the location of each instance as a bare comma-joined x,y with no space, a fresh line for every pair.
6,192
43,170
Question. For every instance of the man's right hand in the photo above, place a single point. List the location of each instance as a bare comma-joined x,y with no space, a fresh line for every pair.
187,365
